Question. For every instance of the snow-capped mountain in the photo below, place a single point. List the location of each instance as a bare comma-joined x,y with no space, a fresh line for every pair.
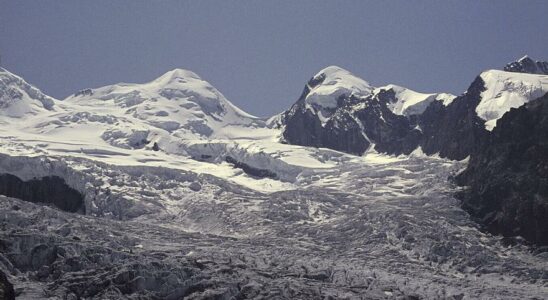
166,190
18,98
458,129
340,111
507,90
337,110
527,65
178,102
327,88
176,119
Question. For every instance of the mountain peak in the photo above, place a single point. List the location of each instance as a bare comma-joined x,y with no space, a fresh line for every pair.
178,74
333,82
19,98
527,65
331,70
332,74
507,90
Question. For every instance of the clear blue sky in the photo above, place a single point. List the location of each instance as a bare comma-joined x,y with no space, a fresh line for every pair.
261,53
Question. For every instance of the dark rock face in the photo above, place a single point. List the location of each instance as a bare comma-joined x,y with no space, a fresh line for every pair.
353,125
48,190
84,92
454,131
6,288
303,127
255,172
527,65
508,176
391,133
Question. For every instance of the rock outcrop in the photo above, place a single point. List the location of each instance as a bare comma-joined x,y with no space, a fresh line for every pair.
337,110
454,131
252,171
527,65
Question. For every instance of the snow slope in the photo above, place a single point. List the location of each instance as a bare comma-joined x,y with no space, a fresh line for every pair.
18,98
178,101
335,82
191,124
507,90
409,102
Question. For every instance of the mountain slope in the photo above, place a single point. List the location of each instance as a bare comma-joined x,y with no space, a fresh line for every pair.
179,102
18,98
506,90
454,131
458,129
508,176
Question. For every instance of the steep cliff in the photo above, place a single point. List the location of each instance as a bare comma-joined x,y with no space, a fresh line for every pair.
508,176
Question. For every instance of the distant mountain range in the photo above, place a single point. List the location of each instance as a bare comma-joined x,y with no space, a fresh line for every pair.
336,110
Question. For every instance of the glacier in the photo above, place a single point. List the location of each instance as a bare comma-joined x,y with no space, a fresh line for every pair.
168,216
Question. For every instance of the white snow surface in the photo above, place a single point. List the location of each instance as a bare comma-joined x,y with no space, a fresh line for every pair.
194,126
409,102
507,90
178,101
337,82
19,99
323,98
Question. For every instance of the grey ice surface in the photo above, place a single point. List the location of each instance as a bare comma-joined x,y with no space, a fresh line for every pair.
385,231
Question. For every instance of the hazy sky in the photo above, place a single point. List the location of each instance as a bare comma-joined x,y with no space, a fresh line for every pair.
260,54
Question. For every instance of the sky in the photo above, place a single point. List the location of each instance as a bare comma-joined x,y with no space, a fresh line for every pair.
260,54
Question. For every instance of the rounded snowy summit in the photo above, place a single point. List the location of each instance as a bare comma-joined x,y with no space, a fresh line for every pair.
331,83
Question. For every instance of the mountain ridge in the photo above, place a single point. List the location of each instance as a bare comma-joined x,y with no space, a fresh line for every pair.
527,65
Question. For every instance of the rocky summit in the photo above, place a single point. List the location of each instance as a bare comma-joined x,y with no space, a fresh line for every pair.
527,65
